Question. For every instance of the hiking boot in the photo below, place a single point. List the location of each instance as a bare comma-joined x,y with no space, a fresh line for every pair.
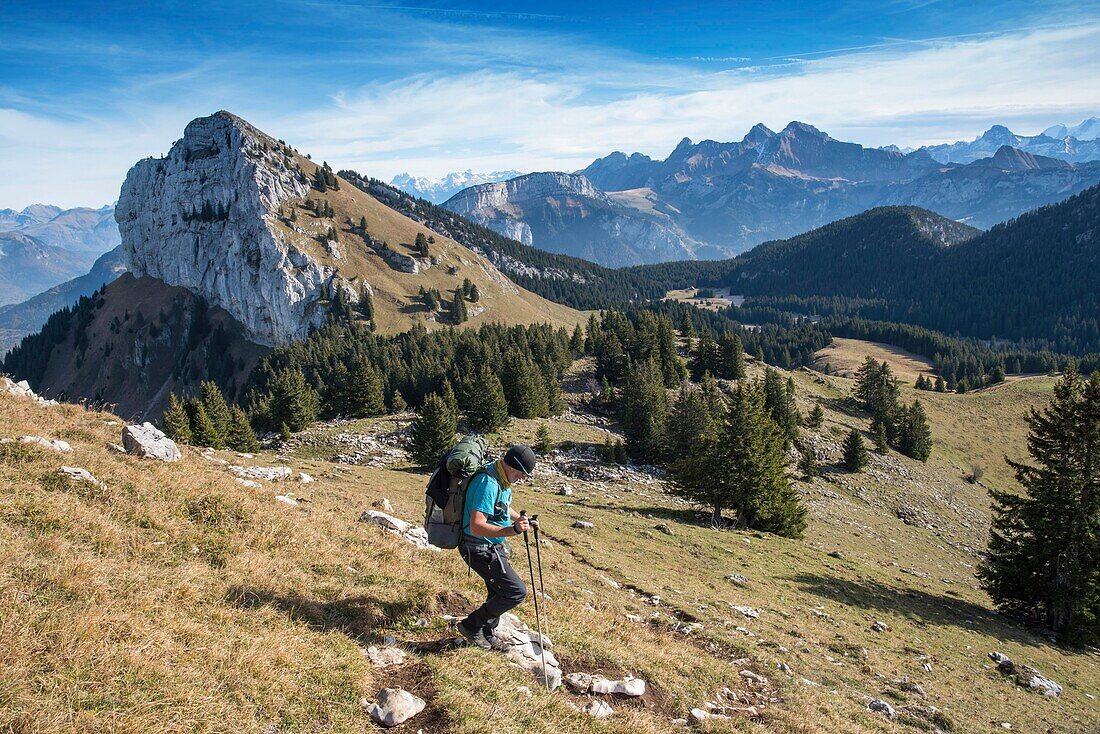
474,637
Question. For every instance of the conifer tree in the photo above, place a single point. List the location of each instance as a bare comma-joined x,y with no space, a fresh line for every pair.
447,392
620,452
607,451
878,434
433,430
1044,549
779,401
203,432
816,417
807,462
421,245
555,405
693,427
217,410
749,476
855,452
488,408
397,402
705,357
643,412
475,294
543,442
914,435
524,387
687,329
940,387
241,437
467,284
458,308
362,392
576,342
363,225
292,401
176,423
731,357
366,305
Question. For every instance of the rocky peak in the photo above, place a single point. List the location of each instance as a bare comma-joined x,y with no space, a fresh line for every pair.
203,218
1008,158
1000,134
760,133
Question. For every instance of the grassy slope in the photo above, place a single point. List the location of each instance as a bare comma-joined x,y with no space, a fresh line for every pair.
395,293
177,600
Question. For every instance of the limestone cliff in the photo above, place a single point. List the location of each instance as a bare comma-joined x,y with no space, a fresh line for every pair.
203,218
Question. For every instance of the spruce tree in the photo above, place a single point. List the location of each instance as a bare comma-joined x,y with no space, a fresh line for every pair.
807,462
543,442
555,405
693,427
421,244
458,308
749,475
397,402
816,417
576,342
524,387
914,435
488,408
216,408
878,435
643,412
203,432
855,452
940,387
1044,549
475,294
292,401
620,452
433,430
176,423
705,358
362,391
779,401
731,357
241,437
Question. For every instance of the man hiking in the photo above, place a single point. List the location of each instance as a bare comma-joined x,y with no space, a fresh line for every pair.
487,520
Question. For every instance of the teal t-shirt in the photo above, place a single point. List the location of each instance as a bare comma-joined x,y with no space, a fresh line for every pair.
481,495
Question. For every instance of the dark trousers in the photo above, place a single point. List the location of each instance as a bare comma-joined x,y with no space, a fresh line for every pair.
504,586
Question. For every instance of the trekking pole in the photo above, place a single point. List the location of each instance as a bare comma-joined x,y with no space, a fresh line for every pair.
535,597
538,562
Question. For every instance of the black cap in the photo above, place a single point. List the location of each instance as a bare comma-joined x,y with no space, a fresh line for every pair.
521,458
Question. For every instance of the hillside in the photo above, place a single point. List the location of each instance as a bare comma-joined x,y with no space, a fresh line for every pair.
175,598
18,320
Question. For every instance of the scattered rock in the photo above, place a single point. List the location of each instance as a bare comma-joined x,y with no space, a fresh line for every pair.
880,626
664,528
526,648
1004,663
413,534
880,706
149,442
523,691
77,474
394,706
700,715
747,611
268,473
251,484
598,709
736,578
46,443
756,678
583,525
286,500
566,491
384,657
1033,680
836,554
582,683
23,389
383,505
305,478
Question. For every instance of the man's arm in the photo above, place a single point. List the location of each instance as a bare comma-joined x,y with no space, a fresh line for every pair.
480,527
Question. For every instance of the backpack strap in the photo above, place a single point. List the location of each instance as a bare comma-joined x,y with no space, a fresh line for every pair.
466,495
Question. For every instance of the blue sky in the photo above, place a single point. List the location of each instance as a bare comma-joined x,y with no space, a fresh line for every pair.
86,89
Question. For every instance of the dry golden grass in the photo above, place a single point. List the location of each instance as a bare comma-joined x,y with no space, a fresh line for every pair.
177,600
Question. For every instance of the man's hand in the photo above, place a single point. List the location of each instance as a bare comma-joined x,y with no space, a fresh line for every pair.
533,522
522,525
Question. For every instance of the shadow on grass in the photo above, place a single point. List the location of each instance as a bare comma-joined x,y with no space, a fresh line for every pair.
356,616
920,607
699,518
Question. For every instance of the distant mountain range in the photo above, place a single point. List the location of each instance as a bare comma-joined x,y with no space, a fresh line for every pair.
1087,130
1063,144
81,229
710,200
436,190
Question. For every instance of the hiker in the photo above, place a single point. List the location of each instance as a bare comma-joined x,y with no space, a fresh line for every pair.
488,519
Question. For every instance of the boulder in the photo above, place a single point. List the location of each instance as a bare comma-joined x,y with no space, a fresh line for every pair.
701,715
628,686
880,706
286,500
583,525
738,579
148,441
23,389
880,626
664,528
1004,663
251,484
394,706
1033,680
383,505
305,478
416,536
747,611
566,491
47,443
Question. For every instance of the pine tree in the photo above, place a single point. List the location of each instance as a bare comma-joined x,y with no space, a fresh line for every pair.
855,452
816,417
458,308
576,342
362,393
397,402
421,245
1044,549
705,357
555,405
779,400
203,432
475,294
940,387
524,387
467,284
687,329
693,427
878,435
488,408
176,423
731,357
433,430
915,436
543,442
217,410
292,401
749,475
643,412
241,437
366,305
807,463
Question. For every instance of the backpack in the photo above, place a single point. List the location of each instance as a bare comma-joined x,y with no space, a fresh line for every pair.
445,493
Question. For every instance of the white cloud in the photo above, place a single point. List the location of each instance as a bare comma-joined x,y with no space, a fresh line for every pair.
530,117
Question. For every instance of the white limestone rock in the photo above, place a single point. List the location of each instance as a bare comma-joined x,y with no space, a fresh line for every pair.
385,657
267,473
527,648
22,389
203,218
62,447
78,474
394,706
415,535
598,709
149,442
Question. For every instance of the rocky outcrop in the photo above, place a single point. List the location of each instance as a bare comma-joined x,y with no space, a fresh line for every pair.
149,442
203,218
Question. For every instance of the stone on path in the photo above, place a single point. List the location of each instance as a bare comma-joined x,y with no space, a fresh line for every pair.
47,443
81,475
583,525
384,657
880,706
148,441
525,647
394,706
269,473
598,709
